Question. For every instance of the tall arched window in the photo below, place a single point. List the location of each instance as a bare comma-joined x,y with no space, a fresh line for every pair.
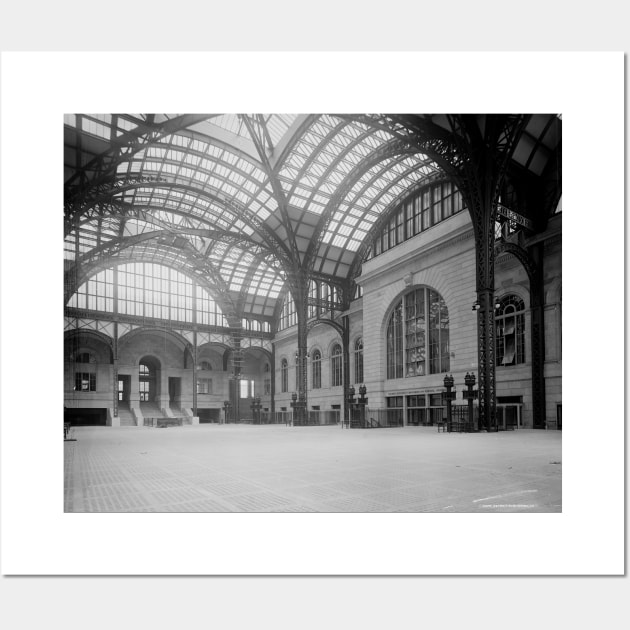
358,361
418,335
510,329
395,344
336,366
284,376
267,381
317,369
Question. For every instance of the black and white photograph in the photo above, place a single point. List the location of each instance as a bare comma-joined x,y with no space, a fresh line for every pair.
313,313
332,337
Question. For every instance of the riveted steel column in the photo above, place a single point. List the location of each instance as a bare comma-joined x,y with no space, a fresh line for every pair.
484,146
299,292
483,213
302,365
486,357
537,303
480,196
194,373
115,369
273,378
345,342
115,343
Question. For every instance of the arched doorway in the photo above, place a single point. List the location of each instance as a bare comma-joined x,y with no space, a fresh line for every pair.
149,379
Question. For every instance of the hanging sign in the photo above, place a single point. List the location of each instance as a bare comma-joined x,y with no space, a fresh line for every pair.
514,216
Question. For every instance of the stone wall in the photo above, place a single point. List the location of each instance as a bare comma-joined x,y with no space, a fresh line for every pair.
442,258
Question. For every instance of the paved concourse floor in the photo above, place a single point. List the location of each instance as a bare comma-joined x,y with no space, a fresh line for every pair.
274,468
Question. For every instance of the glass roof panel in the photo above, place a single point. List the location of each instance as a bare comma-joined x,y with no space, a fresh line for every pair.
372,193
338,176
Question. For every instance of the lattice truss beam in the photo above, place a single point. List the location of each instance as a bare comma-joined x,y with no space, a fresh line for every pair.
256,206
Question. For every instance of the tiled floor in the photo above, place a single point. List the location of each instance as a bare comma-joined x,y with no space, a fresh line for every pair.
242,468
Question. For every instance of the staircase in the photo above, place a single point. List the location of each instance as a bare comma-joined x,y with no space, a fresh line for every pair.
176,410
150,410
125,416
180,412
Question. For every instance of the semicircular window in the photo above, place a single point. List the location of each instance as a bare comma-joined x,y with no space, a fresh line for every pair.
149,290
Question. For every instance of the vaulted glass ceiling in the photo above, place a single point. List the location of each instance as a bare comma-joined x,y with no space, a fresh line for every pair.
247,200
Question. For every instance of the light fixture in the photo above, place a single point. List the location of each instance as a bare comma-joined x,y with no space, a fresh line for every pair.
476,306
497,304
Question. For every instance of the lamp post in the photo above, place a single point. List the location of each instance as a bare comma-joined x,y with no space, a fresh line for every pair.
235,394
448,398
362,402
299,410
470,395
256,405
226,407
351,402
294,405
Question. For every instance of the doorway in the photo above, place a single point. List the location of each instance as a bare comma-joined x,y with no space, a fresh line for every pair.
174,389
148,377
124,387
509,417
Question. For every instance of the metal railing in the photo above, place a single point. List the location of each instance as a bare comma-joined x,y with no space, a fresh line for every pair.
376,419
460,420
274,417
320,418
425,416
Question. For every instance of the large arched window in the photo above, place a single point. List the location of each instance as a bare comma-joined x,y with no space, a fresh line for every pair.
284,376
317,369
336,366
358,361
146,289
418,335
510,337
